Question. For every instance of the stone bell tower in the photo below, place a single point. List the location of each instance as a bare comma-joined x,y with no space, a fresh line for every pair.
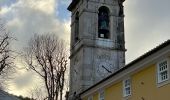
97,41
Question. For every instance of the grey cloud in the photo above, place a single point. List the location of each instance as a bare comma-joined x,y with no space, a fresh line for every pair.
146,24
23,80
24,20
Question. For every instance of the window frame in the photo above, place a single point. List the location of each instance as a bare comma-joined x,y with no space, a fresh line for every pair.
159,79
102,92
126,87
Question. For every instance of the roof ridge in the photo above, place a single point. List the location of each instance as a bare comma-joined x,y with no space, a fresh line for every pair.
158,47
162,45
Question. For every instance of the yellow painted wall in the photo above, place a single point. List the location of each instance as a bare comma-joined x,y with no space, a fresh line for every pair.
95,96
143,86
111,93
86,98
114,92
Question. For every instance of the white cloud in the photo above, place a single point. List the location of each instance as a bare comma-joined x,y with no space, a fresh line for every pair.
4,10
146,22
26,17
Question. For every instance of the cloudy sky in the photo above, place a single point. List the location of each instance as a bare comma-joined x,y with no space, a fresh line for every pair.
146,26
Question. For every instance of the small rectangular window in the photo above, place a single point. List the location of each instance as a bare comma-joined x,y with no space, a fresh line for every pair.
101,95
162,71
126,87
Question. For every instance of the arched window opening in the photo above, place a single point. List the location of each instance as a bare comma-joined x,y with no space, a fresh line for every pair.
77,27
103,23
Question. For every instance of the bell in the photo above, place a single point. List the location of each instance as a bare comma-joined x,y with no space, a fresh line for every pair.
103,25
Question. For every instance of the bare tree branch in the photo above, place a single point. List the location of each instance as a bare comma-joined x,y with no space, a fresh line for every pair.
6,54
46,55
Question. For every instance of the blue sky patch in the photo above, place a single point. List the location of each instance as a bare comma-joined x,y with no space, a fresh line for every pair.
7,2
62,12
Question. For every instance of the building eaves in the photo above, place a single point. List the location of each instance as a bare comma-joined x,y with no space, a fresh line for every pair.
166,43
73,4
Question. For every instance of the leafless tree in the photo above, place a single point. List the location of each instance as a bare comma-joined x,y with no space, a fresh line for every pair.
6,54
47,56
37,93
